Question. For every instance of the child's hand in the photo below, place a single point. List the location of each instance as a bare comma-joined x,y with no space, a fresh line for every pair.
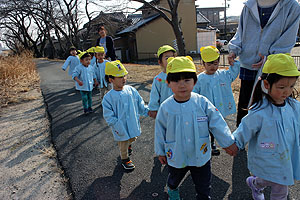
152,114
232,149
231,58
96,83
80,83
163,160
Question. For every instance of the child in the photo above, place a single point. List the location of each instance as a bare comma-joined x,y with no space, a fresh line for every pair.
85,77
122,107
272,129
99,68
160,90
91,51
215,85
266,27
182,130
71,61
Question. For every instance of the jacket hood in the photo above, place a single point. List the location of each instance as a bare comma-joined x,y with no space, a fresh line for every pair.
251,3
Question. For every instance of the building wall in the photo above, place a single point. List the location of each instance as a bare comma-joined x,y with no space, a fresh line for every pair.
158,32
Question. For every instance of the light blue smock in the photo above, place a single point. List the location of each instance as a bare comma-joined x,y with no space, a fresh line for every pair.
217,88
182,131
99,69
273,134
278,35
72,62
86,75
122,110
160,91
93,61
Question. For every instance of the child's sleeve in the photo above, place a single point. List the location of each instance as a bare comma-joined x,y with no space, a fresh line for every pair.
154,96
110,117
217,126
233,71
160,133
66,64
76,72
248,128
142,108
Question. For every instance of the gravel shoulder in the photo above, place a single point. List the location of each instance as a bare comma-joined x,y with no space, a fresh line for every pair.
28,164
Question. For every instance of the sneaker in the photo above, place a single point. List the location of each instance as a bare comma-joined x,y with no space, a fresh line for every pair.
129,150
90,110
257,194
127,164
173,194
86,111
214,150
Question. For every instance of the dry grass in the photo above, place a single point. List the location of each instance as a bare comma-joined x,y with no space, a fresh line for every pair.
18,75
146,73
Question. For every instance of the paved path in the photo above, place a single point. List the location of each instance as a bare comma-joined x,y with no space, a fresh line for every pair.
90,158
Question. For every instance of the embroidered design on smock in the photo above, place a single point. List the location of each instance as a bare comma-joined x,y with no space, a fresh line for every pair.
160,80
170,153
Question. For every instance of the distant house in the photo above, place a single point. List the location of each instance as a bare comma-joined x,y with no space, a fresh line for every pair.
213,14
142,39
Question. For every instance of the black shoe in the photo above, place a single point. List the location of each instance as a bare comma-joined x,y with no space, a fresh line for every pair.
127,164
85,111
90,110
129,150
215,151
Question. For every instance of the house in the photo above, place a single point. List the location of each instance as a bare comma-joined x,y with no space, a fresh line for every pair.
142,39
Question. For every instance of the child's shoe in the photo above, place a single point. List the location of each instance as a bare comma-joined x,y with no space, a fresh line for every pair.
85,111
129,150
214,150
257,194
90,110
127,164
173,194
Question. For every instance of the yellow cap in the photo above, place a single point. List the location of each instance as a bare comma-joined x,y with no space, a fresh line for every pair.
282,64
91,50
99,49
82,53
209,53
180,64
164,49
115,68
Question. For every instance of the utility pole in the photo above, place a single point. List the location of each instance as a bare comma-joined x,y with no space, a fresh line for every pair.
225,21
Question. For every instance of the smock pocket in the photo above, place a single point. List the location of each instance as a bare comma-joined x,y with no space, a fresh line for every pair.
204,149
170,151
202,124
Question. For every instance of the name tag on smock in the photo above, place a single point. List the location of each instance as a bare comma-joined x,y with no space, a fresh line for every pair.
202,119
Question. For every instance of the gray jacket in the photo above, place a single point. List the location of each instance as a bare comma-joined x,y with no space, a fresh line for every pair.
278,36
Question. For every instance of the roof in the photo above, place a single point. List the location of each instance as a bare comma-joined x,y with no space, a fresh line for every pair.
201,18
138,24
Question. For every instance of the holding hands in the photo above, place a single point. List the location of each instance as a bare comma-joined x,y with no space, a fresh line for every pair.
232,149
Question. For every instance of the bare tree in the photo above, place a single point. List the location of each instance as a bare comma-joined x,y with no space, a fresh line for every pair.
171,16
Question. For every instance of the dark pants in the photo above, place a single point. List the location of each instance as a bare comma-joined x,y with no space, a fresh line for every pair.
244,98
212,139
201,177
86,97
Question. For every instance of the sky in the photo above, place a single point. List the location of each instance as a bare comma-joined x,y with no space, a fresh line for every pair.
235,6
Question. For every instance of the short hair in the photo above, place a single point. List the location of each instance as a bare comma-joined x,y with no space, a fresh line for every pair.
101,27
181,75
85,55
107,78
161,55
72,48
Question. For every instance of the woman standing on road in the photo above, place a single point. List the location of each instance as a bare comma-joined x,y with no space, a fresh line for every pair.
107,43
266,27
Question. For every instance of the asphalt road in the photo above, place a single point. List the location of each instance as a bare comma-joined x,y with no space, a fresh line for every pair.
91,160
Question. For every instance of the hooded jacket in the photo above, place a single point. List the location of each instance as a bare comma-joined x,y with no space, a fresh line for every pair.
278,35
